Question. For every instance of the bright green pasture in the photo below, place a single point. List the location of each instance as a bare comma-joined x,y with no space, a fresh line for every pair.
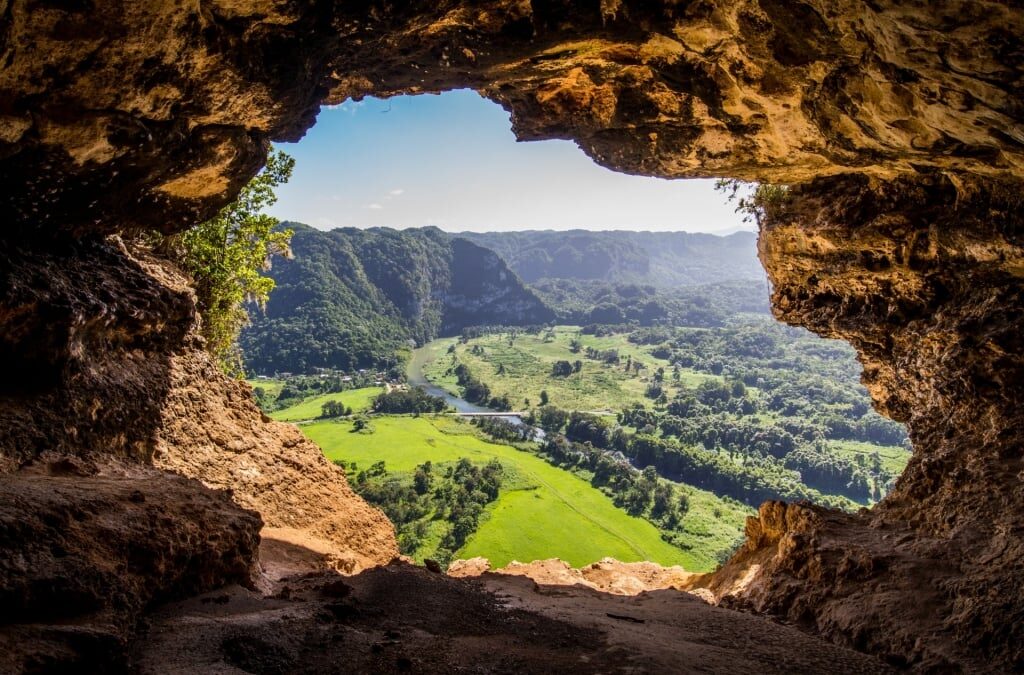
521,369
271,387
310,408
542,512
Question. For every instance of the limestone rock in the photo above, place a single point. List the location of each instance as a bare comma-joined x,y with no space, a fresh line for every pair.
923,276
119,118
176,113
87,547
607,575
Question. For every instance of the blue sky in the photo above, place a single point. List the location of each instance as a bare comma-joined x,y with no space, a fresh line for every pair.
452,161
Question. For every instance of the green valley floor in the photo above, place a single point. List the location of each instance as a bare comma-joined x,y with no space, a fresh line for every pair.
542,511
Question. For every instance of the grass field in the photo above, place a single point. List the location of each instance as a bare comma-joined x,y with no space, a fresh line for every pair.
894,458
271,387
358,399
542,511
525,369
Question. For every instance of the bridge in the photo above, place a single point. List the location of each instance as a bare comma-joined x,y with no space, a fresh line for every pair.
489,414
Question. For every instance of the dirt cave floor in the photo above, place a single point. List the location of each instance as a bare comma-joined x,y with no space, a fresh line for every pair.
403,618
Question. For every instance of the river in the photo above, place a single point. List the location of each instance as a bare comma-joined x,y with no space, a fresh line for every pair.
415,376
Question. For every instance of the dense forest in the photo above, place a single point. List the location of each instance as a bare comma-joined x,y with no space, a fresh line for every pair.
454,495
751,410
603,303
352,298
663,259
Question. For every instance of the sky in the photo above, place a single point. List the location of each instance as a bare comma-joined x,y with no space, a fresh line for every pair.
452,161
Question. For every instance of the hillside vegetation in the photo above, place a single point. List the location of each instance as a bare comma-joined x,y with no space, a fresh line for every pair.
605,303
663,259
352,298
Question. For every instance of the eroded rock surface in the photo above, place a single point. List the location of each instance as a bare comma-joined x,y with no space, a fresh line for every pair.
211,430
607,575
87,547
153,114
923,276
401,618
119,117
109,400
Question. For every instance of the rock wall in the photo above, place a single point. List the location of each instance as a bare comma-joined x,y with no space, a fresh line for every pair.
151,115
105,364
117,118
923,276
108,403
212,430
88,546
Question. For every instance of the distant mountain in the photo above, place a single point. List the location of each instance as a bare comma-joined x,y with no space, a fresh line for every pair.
662,259
350,298
603,302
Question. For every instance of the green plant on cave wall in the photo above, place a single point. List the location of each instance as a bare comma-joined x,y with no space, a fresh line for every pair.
760,202
227,257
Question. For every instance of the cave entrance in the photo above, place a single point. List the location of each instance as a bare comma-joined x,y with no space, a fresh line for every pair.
549,305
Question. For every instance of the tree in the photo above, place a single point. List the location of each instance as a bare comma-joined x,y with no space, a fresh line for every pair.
226,256
544,397
561,369
333,409
758,202
422,479
552,419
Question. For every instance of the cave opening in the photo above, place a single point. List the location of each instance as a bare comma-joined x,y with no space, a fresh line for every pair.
683,406
138,473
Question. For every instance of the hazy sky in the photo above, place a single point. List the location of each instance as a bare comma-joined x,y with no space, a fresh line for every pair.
452,161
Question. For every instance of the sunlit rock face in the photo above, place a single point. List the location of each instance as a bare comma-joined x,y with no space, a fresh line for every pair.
119,118
923,276
149,115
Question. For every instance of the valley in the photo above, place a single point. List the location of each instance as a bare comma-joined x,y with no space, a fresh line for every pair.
541,511
650,429
627,423
753,410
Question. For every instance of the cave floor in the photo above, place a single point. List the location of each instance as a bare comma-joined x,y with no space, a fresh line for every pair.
403,618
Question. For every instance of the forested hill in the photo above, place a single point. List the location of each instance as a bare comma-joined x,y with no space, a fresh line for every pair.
663,259
350,297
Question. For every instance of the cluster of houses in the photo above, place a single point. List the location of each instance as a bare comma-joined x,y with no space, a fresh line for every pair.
363,376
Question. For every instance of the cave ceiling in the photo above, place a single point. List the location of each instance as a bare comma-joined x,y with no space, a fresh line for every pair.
120,115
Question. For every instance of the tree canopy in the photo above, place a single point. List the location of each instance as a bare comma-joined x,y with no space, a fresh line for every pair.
227,257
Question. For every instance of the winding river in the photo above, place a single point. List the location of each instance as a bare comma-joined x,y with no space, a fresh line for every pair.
415,376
